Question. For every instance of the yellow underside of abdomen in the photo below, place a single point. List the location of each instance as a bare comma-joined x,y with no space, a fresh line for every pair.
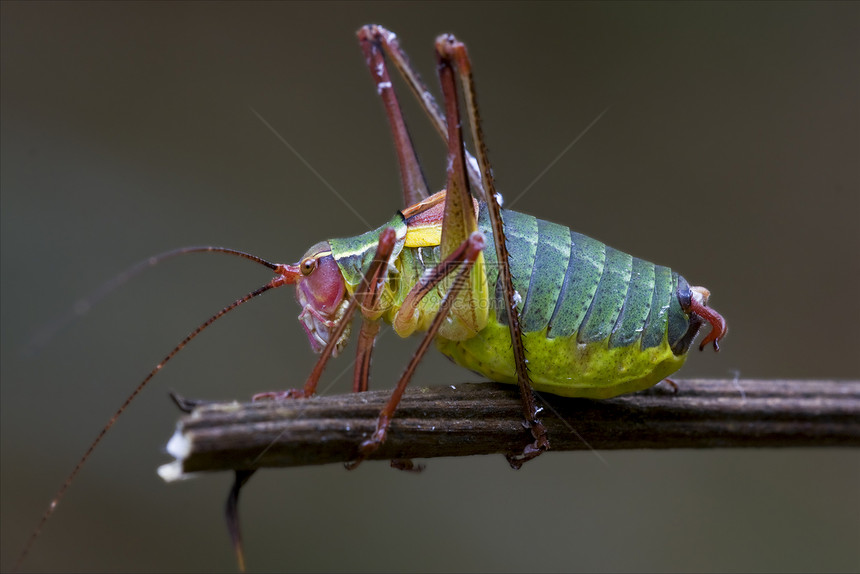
562,366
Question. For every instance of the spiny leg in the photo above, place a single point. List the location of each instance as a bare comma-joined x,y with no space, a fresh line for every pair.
451,51
370,283
462,260
459,218
387,41
366,339
368,296
412,178
361,377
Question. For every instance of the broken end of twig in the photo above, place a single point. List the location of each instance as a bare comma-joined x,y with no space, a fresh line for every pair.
179,447
181,444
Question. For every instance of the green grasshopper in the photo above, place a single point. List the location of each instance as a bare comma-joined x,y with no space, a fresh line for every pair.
546,308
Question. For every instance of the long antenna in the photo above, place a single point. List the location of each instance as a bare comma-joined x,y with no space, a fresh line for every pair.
82,306
285,274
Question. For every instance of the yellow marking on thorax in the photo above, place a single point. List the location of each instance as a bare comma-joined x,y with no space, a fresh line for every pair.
429,236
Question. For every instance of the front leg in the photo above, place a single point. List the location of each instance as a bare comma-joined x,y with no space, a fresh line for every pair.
368,293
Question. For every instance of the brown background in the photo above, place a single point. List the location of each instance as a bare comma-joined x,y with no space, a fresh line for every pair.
729,151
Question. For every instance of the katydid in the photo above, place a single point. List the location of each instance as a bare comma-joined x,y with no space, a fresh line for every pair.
517,299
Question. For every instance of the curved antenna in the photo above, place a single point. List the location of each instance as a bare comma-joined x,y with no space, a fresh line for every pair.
286,274
82,306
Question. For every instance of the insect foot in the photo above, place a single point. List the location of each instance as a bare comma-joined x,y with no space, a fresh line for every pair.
370,445
533,450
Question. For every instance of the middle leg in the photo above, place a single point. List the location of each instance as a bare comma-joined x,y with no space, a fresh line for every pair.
462,261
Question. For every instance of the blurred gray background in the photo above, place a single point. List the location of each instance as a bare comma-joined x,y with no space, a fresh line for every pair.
729,151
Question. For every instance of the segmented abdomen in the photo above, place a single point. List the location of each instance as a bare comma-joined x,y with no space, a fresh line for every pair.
572,285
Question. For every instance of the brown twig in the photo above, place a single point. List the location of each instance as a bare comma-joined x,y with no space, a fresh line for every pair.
486,418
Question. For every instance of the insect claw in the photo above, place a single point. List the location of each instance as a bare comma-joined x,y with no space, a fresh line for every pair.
672,384
532,450
364,449
515,461
370,445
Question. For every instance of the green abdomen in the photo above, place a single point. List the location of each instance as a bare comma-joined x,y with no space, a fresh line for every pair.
596,322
